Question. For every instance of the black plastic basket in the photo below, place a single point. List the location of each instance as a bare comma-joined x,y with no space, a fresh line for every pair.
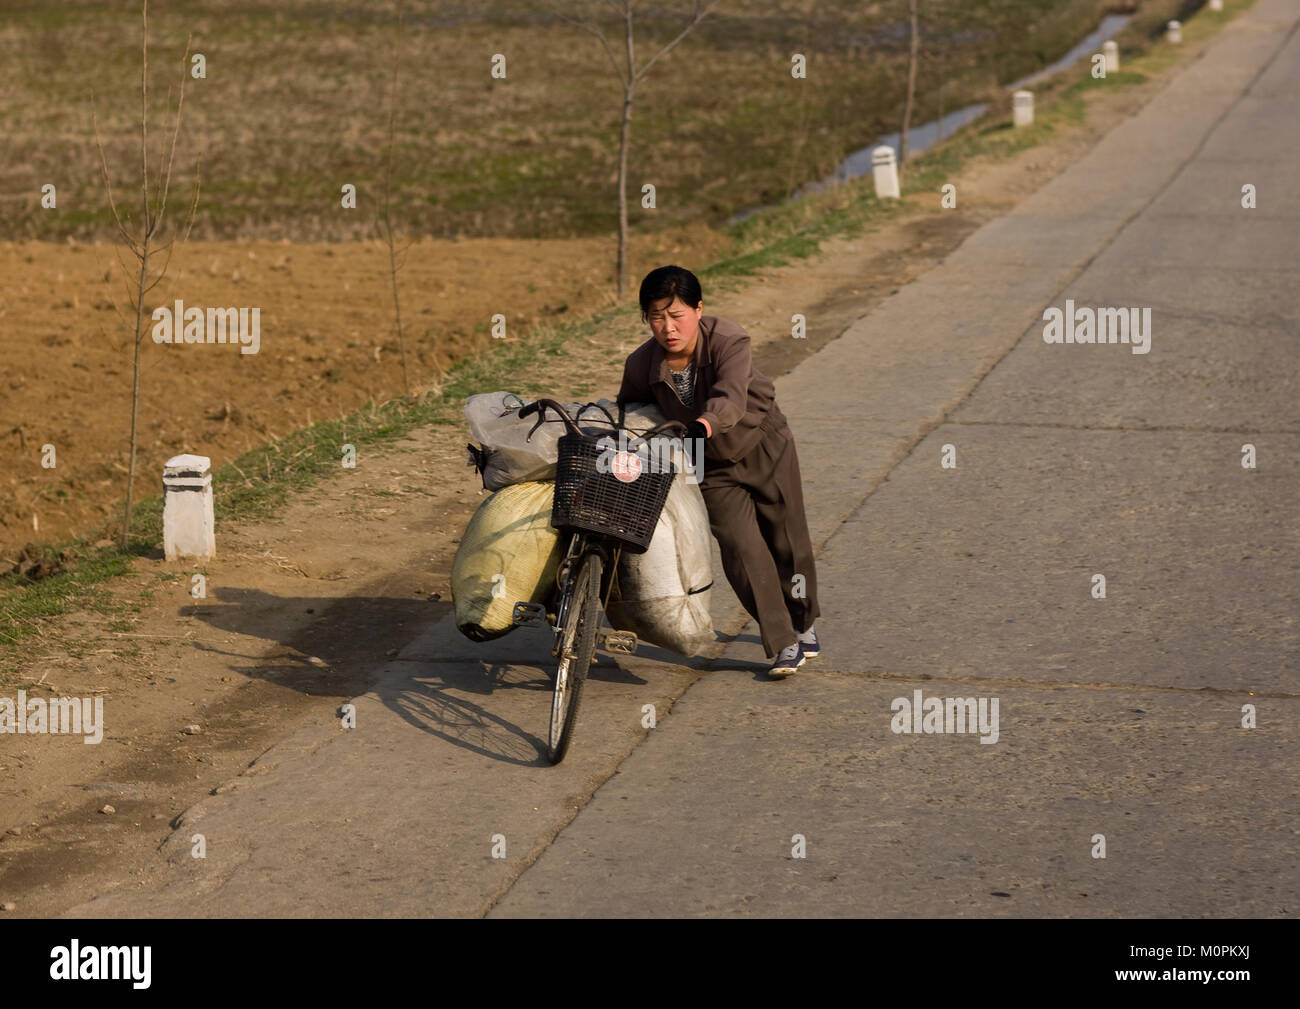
595,502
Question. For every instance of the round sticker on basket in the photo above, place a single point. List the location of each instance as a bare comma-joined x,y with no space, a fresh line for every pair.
626,466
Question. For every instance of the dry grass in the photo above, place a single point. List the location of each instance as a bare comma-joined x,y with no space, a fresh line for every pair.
294,106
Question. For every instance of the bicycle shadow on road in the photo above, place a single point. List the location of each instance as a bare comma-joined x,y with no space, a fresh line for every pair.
434,703
515,671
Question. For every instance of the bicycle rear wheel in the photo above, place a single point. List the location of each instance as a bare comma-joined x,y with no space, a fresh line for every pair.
577,647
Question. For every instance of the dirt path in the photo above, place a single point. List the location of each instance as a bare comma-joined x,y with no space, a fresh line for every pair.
300,608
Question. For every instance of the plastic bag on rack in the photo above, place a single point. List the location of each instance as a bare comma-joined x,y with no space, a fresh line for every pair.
511,452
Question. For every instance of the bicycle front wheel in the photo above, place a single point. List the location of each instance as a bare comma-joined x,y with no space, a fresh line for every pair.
577,647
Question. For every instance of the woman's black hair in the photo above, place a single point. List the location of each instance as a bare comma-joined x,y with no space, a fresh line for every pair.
669,282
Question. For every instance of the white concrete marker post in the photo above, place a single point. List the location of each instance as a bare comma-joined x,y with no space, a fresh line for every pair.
188,526
884,171
1022,108
1110,50
1174,32
1215,5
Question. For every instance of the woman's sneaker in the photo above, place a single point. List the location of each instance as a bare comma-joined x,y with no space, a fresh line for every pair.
809,643
790,659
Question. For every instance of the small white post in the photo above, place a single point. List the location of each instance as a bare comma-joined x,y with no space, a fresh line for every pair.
1174,32
1022,108
1110,50
1216,5
884,171
188,526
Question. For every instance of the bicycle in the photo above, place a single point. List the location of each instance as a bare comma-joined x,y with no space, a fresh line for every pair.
602,510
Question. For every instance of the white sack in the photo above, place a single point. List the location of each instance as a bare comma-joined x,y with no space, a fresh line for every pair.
663,594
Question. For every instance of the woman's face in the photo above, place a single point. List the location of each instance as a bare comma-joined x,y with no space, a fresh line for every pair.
675,326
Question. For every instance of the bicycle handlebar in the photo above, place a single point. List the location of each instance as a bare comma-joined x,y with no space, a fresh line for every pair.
636,442
540,407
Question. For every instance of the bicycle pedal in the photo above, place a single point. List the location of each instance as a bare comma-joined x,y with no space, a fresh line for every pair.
620,641
529,614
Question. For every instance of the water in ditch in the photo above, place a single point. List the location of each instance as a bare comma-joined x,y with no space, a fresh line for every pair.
927,134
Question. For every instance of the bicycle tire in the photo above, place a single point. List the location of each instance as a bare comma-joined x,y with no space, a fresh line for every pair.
578,645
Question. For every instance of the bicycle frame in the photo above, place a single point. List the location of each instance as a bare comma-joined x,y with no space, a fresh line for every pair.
583,552
579,545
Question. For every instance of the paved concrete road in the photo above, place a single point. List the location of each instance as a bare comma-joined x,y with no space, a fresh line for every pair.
1118,716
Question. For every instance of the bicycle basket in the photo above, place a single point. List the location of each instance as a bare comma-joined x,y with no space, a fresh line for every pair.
591,501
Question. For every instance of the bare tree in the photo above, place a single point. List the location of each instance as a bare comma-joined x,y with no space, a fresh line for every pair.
912,59
629,75
143,241
386,218
800,138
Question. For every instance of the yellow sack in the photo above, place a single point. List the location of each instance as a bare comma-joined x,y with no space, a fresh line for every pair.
510,546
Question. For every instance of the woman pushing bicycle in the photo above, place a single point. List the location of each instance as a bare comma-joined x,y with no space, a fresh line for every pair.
699,370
